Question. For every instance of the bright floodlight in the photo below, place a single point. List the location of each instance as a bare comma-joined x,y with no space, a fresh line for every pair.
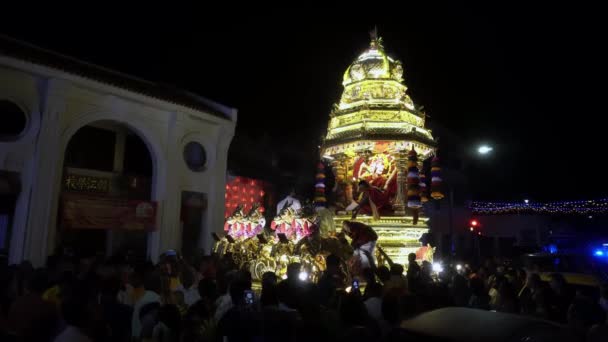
303,276
484,149
458,267
526,201
437,268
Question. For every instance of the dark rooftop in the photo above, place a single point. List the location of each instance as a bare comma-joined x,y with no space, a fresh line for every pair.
30,53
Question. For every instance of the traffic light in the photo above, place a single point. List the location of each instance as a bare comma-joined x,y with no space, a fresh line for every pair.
473,223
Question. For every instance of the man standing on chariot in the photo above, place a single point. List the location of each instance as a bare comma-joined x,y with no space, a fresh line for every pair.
363,240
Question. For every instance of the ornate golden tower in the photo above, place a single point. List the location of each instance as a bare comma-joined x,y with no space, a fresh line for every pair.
368,136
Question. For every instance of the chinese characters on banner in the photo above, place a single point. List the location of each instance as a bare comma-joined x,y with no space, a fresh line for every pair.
82,183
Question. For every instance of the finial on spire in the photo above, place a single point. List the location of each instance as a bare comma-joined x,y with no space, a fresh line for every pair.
373,34
376,42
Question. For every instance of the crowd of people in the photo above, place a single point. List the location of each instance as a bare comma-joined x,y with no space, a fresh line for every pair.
87,299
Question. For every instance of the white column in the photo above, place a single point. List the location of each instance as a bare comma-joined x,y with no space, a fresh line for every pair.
165,190
217,189
19,227
170,232
40,231
118,167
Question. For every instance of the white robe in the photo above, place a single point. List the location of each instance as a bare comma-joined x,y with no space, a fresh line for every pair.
294,204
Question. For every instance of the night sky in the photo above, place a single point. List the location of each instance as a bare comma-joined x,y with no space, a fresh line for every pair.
529,81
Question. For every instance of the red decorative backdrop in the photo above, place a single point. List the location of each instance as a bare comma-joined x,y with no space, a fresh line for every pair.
245,191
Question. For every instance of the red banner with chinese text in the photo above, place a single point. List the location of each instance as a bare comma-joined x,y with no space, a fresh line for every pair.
96,212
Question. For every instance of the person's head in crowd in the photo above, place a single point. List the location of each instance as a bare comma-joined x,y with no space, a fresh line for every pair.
291,192
170,316
224,280
384,274
604,297
391,307
521,274
178,298
506,291
332,262
511,274
286,296
482,273
237,292
199,311
346,227
23,272
110,286
490,265
476,286
293,271
500,270
36,283
269,279
411,257
397,269
86,265
136,278
352,310
153,282
170,263
270,290
309,299
245,276
66,282
558,283
187,278
368,275
584,313
373,289
207,290
74,309
207,267
496,281
459,281
148,316
427,267
533,281
410,306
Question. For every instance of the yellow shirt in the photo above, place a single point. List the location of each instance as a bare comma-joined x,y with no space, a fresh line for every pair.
53,295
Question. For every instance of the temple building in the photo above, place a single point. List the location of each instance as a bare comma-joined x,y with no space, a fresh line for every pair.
99,162
370,133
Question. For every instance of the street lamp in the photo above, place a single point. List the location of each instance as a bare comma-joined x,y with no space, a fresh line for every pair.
484,149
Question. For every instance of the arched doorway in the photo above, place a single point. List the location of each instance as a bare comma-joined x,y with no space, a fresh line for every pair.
108,172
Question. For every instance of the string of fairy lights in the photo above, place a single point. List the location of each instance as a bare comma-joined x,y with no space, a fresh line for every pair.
583,207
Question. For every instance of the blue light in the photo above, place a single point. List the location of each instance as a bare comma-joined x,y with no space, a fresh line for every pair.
552,249
598,253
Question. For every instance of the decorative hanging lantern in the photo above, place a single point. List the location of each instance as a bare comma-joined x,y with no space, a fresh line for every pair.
319,199
424,195
436,179
413,181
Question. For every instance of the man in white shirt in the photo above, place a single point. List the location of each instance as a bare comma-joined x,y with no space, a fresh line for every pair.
289,202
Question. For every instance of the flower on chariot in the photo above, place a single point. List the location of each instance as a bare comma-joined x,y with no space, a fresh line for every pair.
436,179
424,196
413,180
319,198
